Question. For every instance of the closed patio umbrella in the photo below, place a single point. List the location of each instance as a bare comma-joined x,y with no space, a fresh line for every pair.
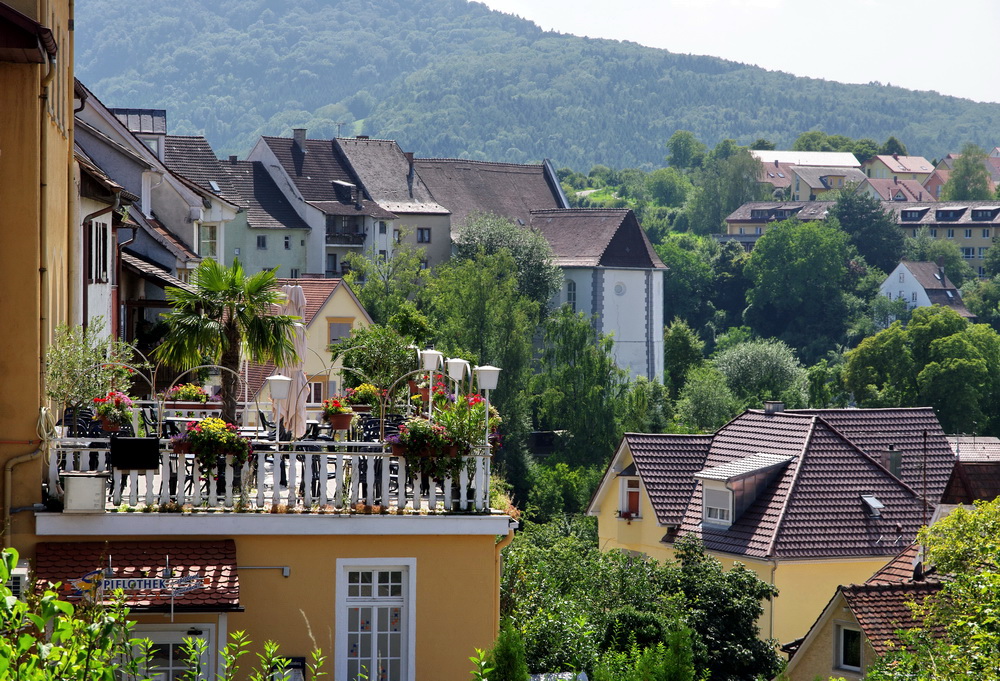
293,408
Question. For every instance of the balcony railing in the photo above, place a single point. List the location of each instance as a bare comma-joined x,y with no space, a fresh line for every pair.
320,476
335,238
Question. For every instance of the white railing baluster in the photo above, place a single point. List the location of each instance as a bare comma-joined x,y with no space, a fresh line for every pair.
261,473
291,498
323,479
463,486
338,481
307,479
116,489
355,481
227,478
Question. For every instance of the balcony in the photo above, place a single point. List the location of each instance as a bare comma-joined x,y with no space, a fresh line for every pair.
319,476
336,237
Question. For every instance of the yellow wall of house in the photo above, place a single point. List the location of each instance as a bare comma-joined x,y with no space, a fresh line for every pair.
341,305
35,173
815,658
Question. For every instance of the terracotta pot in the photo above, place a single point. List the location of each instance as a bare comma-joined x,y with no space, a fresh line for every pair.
109,426
339,421
362,408
181,446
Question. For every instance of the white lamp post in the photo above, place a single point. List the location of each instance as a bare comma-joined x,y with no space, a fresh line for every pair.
458,369
487,378
279,386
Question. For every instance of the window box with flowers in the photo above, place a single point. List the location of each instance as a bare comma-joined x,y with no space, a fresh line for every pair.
114,410
427,448
214,442
189,397
364,398
337,413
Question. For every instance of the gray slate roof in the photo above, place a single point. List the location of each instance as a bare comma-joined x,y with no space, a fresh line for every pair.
193,158
591,237
143,121
813,175
388,176
312,171
266,205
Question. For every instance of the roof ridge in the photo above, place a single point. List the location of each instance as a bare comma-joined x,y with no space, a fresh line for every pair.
485,163
791,488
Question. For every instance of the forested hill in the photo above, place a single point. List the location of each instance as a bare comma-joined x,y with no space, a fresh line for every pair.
449,78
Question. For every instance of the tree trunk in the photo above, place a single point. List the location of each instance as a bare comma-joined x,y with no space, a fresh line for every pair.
230,380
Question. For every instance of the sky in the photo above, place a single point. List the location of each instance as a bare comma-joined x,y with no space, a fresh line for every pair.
916,44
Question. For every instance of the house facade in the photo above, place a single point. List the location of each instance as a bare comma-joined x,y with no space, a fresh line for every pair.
613,274
809,183
971,225
922,284
896,190
895,166
808,499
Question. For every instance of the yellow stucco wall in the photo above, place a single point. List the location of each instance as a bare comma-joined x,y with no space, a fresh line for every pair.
815,659
455,602
35,174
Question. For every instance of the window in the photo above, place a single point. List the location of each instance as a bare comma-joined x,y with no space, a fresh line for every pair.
902,277
888,294
717,506
340,327
986,233
758,230
381,227
315,395
630,498
423,235
166,660
99,236
375,619
261,242
293,272
331,265
571,294
848,648
968,252
741,230
914,297
383,254
982,251
395,235
288,243
933,231
951,233
208,241
968,234
423,264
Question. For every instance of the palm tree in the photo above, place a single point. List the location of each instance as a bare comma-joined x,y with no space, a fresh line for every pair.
228,314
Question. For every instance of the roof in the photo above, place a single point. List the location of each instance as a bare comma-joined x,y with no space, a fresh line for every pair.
212,564
142,121
929,275
589,237
154,273
802,210
22,39
889,189
972,480
741,468
388,176
975,447
813,507
903,164
266,205
164,236
882,609
899,569
966,213
364,207
814,175
312,171
777,174
510,190
193,158
807,158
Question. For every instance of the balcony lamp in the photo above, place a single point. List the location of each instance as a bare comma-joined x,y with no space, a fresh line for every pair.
487,377
431,359
280,386
457,369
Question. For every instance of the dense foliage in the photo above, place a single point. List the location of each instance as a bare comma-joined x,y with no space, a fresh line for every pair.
450,78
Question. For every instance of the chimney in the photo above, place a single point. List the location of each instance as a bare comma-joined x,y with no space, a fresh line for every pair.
299,135
895,157
895,180
775,163
232,160
409,157
892,460
773,407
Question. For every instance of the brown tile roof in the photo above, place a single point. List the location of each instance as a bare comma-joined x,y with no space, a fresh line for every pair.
22,39
158,275
667,464
972,480
777,174
510,190
813,508
212,562
888,189
148,121
313,171
266,205
163,235
193,158
388,177
882,609
803,210
903,164
596,237
899,569
938,287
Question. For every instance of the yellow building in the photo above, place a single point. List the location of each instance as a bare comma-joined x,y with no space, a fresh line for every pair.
894,166
809,183
808,499
970,225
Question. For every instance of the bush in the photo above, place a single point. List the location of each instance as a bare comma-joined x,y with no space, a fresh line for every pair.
507,658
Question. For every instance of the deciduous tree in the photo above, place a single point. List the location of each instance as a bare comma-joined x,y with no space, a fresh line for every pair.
871,230
384,284
969,180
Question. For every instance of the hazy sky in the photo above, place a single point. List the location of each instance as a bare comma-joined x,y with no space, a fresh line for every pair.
946,46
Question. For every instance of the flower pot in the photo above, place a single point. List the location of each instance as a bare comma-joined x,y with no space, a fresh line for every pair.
362,408
339,421
181,446
109,426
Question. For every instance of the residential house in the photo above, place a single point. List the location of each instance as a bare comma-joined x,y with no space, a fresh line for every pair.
320,184
889,166
942,172
839,159
809,183
922,284
38,179
970,224
808,499
613,274
332,312
391,179
896,190
511,190
778,177
861,621
748,222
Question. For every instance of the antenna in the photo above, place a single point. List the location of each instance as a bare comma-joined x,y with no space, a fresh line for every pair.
339,124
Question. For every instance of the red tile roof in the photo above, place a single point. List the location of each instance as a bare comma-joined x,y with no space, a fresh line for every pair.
972,480
904,164
813,508
882,609
211,564
888,189
667,464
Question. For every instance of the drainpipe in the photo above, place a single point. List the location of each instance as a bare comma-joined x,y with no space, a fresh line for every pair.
770,625
43,219
496,592
87,254
118,276
8,490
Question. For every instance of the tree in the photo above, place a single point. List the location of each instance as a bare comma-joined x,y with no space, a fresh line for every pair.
871,230
667,186
880,372
227,316
864,149
682,350
991,265
687,281
969,180
893,146
686,152
723,184
377,354
706,402
384,284
760,370
925,248
761,144
579,386
538,277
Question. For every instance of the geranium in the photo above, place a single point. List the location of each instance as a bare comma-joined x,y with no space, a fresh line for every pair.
336,405
186,392
212,438
115,407
426,446
465,421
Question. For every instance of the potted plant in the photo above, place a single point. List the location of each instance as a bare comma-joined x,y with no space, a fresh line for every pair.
185,392
180,443
427,448
114,410
213,440
337,413
465,422
363,398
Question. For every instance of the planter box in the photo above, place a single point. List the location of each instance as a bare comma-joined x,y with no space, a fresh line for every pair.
85,492
135,453
192,406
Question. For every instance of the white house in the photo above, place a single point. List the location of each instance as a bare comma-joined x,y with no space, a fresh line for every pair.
922,284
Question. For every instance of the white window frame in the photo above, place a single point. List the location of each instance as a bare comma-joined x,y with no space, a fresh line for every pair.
208,241
315,394
838,647
409,567
423,235
630,484
714,514
175,633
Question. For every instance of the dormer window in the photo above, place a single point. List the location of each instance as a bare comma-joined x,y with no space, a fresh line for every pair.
950,213
912,215
730,489
985,213
629,507
717,505
758,214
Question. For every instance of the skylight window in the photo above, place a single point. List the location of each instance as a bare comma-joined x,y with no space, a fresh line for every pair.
874,505
214,185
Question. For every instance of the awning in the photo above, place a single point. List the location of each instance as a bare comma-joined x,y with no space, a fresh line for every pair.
152,273
155,576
